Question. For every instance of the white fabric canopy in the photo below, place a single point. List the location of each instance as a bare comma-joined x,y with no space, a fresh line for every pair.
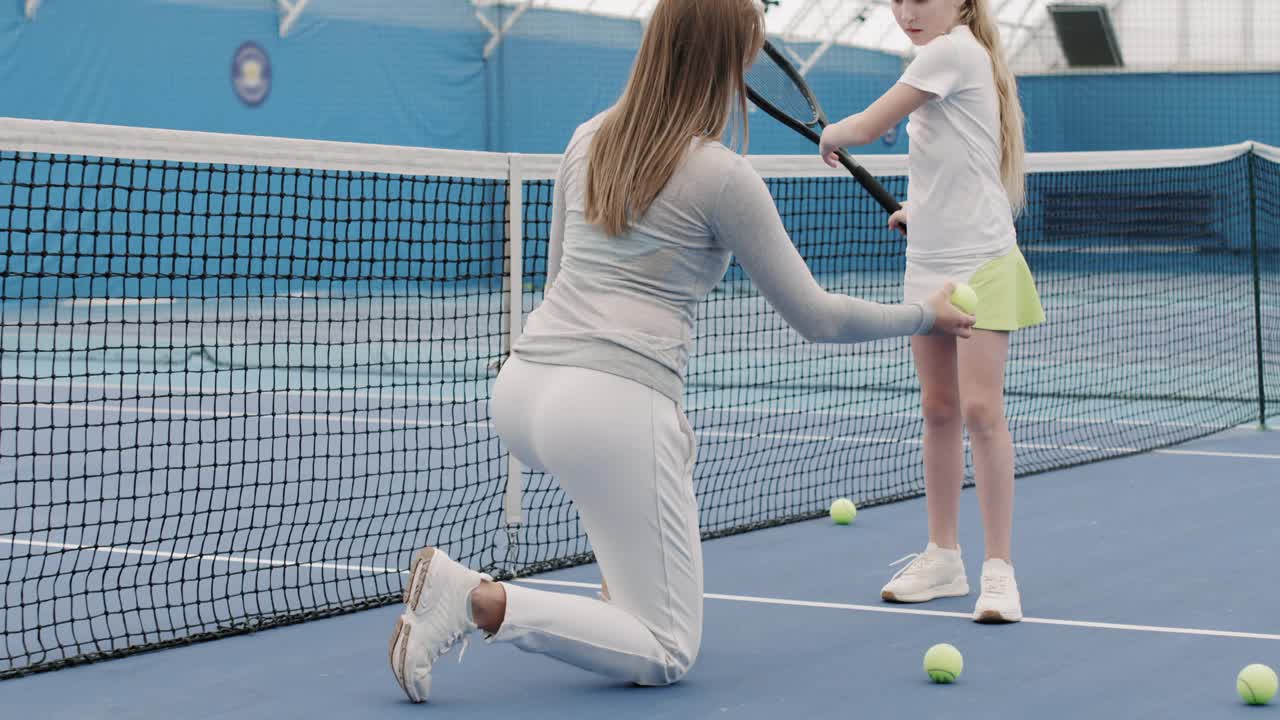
1153,34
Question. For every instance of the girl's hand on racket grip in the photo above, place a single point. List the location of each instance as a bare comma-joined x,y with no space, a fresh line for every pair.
949,319
898,220
829,145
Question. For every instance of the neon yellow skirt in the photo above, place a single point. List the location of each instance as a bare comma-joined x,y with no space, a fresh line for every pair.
1007,295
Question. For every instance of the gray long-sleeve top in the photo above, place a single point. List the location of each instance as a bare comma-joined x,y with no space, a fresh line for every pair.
626,304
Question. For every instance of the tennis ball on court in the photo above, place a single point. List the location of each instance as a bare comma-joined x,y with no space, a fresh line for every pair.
965,298
943,663
843,511
1256,684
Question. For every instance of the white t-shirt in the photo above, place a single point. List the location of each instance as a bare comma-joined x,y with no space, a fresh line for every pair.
958,205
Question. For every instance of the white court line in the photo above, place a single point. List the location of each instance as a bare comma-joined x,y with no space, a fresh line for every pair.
1212,453
401,395
320,418
1035,446
349,418
228,559
194,391
893,610
116,302
916,416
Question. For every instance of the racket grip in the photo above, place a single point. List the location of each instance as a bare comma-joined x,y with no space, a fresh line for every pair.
868,182
877,190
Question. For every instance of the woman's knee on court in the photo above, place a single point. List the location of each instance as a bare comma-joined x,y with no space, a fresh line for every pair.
679,660
679,633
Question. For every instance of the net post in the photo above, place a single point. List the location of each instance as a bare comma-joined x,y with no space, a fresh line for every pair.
1256,259
513,496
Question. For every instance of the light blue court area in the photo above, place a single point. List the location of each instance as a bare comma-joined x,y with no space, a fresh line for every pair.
191,465
1148,582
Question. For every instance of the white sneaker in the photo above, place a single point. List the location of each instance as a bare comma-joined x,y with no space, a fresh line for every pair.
935,573
438,614
999,601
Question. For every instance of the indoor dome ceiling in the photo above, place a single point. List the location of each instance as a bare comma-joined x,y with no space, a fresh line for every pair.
1153,34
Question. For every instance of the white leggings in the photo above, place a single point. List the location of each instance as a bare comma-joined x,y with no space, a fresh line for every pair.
624,455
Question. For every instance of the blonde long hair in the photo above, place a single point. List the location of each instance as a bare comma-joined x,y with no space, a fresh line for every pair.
976,14
687,80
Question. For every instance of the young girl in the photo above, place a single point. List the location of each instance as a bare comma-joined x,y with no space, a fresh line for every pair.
647,209
965,188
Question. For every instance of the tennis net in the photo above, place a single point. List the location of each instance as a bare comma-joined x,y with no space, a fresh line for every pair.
243,378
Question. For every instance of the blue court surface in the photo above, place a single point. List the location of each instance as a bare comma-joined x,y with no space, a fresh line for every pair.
1148,583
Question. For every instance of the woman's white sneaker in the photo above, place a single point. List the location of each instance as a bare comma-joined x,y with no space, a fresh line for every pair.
437,615
999,601
937,572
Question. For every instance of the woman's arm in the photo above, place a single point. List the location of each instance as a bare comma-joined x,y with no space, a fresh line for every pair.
555,245
746,221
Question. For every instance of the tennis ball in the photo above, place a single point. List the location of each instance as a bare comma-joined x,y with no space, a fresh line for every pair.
843,511
965,298
1256,684
943,663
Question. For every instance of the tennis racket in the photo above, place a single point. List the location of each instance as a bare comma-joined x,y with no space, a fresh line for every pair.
776,87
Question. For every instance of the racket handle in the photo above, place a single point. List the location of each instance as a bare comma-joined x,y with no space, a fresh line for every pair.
872,185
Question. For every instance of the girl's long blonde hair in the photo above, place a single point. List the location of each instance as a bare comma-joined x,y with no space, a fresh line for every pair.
976,14
686,82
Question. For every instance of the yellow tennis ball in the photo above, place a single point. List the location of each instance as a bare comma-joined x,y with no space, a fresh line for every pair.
943,663
965,298
1256,684
843,511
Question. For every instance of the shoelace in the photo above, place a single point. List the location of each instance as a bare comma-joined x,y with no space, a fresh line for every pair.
466,643
451,636
997,584
918,563
443,648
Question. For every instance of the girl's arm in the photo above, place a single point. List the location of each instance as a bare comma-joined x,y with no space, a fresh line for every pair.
900,101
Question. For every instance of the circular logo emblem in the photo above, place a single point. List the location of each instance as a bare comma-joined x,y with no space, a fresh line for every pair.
251,74
890,136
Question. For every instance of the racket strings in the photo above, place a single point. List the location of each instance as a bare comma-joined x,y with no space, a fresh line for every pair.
774,85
